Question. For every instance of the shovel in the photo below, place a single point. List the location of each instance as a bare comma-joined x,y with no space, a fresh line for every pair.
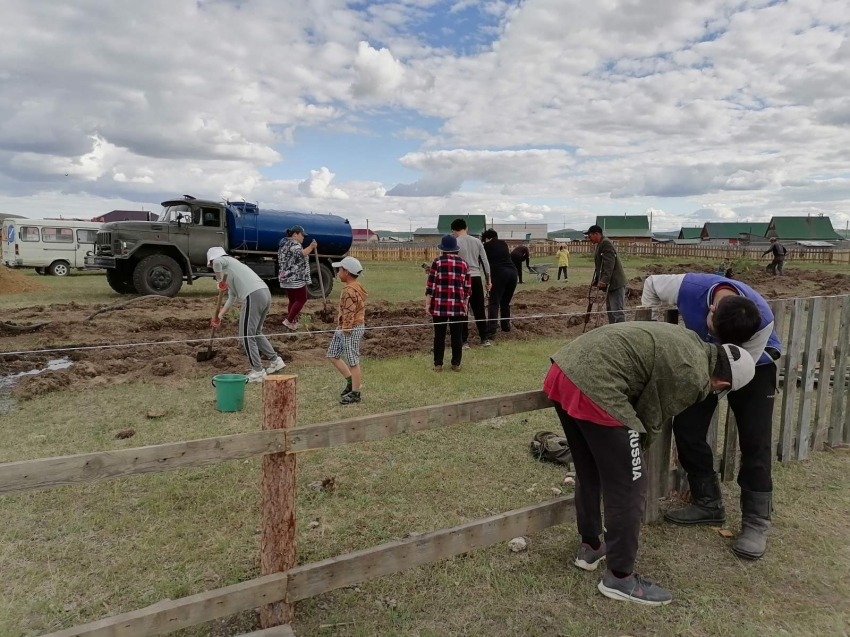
202,356
326,314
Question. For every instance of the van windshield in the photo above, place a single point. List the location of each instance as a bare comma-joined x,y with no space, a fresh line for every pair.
169,213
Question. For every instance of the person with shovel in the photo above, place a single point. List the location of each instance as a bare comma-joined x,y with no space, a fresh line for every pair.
613,389
294,272
351,325
244,285
608,275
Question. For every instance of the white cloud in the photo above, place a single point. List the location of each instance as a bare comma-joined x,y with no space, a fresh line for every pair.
379,74
318,185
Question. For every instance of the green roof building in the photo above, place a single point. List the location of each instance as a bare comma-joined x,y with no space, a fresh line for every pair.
568,233
475,224
690,233
802,228
625,227
732,231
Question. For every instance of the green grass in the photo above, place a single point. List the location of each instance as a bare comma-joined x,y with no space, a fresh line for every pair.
76,554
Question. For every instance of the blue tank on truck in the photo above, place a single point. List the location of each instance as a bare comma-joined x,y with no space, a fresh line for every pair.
255,229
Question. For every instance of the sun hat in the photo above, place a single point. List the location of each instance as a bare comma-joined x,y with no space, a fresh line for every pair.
448,244
351,264
594,229
741,363
215,253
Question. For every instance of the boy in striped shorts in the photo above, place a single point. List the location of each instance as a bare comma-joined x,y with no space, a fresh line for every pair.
351,326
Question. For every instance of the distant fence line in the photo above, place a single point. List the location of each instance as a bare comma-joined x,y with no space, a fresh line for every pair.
384,252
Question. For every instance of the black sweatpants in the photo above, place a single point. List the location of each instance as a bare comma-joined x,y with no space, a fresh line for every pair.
518,265
454,324
476,301
609,465
753,409
566,270
501,294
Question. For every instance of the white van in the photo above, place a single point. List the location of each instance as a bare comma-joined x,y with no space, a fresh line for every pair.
51,247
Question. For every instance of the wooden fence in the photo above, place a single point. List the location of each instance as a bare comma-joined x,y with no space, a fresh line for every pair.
810,417
427,254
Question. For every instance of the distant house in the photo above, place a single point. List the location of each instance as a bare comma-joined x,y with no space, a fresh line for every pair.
475,224
731,233
690,233
126,215
625,229
364,235
567,233
517,232
802,229
427,236
389,236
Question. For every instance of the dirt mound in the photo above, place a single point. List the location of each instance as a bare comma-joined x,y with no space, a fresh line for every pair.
14,282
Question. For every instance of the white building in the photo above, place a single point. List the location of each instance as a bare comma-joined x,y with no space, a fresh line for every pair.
522,231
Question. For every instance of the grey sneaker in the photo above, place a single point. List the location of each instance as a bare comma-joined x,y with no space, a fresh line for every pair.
634,588
466,346
275,366
588,559
486,343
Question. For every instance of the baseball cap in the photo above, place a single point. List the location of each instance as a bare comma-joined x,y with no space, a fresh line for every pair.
741,364
351,264
594,228
215,253
296,230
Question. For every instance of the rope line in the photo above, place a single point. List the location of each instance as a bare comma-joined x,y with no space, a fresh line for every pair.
290,333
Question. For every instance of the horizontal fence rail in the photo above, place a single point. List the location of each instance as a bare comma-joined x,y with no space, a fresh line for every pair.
427,253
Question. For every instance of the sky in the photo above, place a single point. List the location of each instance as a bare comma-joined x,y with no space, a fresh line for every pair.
398,111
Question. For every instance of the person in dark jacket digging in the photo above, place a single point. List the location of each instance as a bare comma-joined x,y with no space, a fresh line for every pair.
504,277
608,274
518,255
777,266
613,389
726,311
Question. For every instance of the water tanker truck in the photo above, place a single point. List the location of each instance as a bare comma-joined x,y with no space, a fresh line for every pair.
157,257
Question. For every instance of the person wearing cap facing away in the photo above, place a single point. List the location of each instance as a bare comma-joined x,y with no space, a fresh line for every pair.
726,311
613,389
243,284
777,266
471,250
351,325
294,272
608,274
446,299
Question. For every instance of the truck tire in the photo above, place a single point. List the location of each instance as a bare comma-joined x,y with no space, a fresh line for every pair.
120,281
314,290
158,274
60,268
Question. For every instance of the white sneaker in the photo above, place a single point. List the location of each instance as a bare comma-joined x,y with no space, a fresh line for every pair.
256,377
275,366
291,326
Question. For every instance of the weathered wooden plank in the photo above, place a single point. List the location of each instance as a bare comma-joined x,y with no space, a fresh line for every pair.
276,631
277,548
165,617
837,410
820,426
367,428
346,570
807,389
730,447
792,351
780,312
47,473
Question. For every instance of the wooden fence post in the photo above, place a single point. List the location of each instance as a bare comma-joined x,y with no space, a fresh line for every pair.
807,388
820,425
730,446
789,389
655,455
835,414
278,483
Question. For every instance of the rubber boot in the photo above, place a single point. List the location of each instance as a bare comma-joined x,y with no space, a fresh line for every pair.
707,505
756,508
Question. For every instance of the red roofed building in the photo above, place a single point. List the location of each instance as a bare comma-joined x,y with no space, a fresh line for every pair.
364,235
126,215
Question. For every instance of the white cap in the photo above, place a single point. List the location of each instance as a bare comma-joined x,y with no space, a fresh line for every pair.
215,253
742,365
351,264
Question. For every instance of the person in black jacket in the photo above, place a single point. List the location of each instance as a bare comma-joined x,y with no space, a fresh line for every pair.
520,254
777,266
503,275
608,274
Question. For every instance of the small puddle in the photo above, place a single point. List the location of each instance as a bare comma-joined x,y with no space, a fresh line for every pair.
7,383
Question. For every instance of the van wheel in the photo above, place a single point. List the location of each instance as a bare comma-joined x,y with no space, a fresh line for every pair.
158,274
120,281
60,268
314,290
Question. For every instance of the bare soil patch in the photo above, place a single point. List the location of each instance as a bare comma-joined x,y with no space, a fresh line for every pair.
14,282
157,320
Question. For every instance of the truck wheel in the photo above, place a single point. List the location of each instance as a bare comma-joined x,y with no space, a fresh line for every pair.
60,268
120,281
314,290
158,274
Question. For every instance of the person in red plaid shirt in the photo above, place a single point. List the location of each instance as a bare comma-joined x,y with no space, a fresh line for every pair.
446,299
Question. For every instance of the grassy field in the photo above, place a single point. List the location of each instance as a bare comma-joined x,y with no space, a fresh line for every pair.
77,554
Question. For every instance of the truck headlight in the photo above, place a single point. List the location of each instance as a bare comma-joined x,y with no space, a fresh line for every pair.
126,246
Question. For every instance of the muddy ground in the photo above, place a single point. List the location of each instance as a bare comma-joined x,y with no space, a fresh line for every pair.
163,319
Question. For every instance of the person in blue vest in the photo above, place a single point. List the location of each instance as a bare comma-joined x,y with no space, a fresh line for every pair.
726,311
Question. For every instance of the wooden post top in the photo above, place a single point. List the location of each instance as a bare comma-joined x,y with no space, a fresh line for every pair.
279,377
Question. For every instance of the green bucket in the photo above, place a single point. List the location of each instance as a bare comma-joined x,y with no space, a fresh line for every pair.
230,391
